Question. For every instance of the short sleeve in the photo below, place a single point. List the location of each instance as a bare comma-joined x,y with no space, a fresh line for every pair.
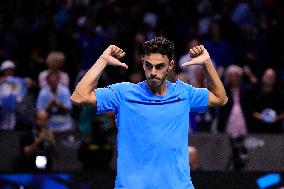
108,99
198,99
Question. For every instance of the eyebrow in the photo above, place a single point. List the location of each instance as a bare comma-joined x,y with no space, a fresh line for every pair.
159,64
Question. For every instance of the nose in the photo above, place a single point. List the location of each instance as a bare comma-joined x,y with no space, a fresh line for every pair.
153,72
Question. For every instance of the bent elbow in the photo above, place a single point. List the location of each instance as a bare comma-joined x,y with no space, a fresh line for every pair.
82,99
75,100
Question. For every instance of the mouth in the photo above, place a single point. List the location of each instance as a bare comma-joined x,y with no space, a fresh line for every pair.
153,81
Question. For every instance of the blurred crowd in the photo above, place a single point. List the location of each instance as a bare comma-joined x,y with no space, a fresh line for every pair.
47,46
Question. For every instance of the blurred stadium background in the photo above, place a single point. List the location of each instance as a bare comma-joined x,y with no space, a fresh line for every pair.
244,38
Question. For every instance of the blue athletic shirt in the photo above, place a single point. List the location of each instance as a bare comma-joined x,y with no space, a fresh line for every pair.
152,141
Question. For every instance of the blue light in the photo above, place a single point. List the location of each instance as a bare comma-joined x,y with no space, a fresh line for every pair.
268,180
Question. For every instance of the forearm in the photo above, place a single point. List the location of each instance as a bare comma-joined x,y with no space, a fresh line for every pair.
83,93
215,85
28,150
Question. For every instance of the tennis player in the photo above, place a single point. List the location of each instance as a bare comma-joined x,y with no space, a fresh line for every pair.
152,116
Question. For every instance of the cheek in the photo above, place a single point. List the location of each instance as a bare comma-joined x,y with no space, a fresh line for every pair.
146,73
164,72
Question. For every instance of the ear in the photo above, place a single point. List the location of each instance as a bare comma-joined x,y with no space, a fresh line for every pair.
171,65
143,63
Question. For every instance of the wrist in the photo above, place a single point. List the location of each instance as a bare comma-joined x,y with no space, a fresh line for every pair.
206,63
102,60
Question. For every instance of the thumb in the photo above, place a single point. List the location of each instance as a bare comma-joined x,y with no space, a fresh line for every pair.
115,62
193,61
123,65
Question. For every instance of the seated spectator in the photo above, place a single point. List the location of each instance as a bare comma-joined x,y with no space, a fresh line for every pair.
268,110
55,61
13,90
54,98
38,146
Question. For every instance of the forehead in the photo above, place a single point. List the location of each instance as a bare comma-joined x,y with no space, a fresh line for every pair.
156,58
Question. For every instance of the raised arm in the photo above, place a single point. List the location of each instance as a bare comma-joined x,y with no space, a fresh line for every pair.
217,94
84,92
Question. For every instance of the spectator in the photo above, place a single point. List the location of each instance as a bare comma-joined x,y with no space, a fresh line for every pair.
55,60
38,146
89,43
251,49
268,110
234,118
12,91
54,98
219,48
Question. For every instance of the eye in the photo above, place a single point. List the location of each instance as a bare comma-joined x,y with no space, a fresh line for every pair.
160,66
148,66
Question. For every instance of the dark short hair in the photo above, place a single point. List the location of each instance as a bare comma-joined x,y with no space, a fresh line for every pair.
159,45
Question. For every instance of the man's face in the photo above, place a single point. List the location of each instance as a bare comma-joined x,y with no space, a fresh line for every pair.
269,77
156,67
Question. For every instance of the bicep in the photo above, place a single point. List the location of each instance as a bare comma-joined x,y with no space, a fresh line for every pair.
84,100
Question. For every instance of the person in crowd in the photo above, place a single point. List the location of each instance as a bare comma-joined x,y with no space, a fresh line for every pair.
54,98
88,43
55,61
235,118
38,146
13,90
218,47
268,109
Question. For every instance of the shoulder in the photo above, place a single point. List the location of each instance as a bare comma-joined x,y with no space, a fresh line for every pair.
180,85
189,89
122,87
119,89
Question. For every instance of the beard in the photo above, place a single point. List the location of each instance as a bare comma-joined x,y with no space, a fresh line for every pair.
155,83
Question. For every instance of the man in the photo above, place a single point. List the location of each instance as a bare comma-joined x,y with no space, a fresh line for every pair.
13,91
39,145
151,116
269,114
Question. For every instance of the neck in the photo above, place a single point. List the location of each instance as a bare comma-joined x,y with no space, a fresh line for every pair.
159,90
267,88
